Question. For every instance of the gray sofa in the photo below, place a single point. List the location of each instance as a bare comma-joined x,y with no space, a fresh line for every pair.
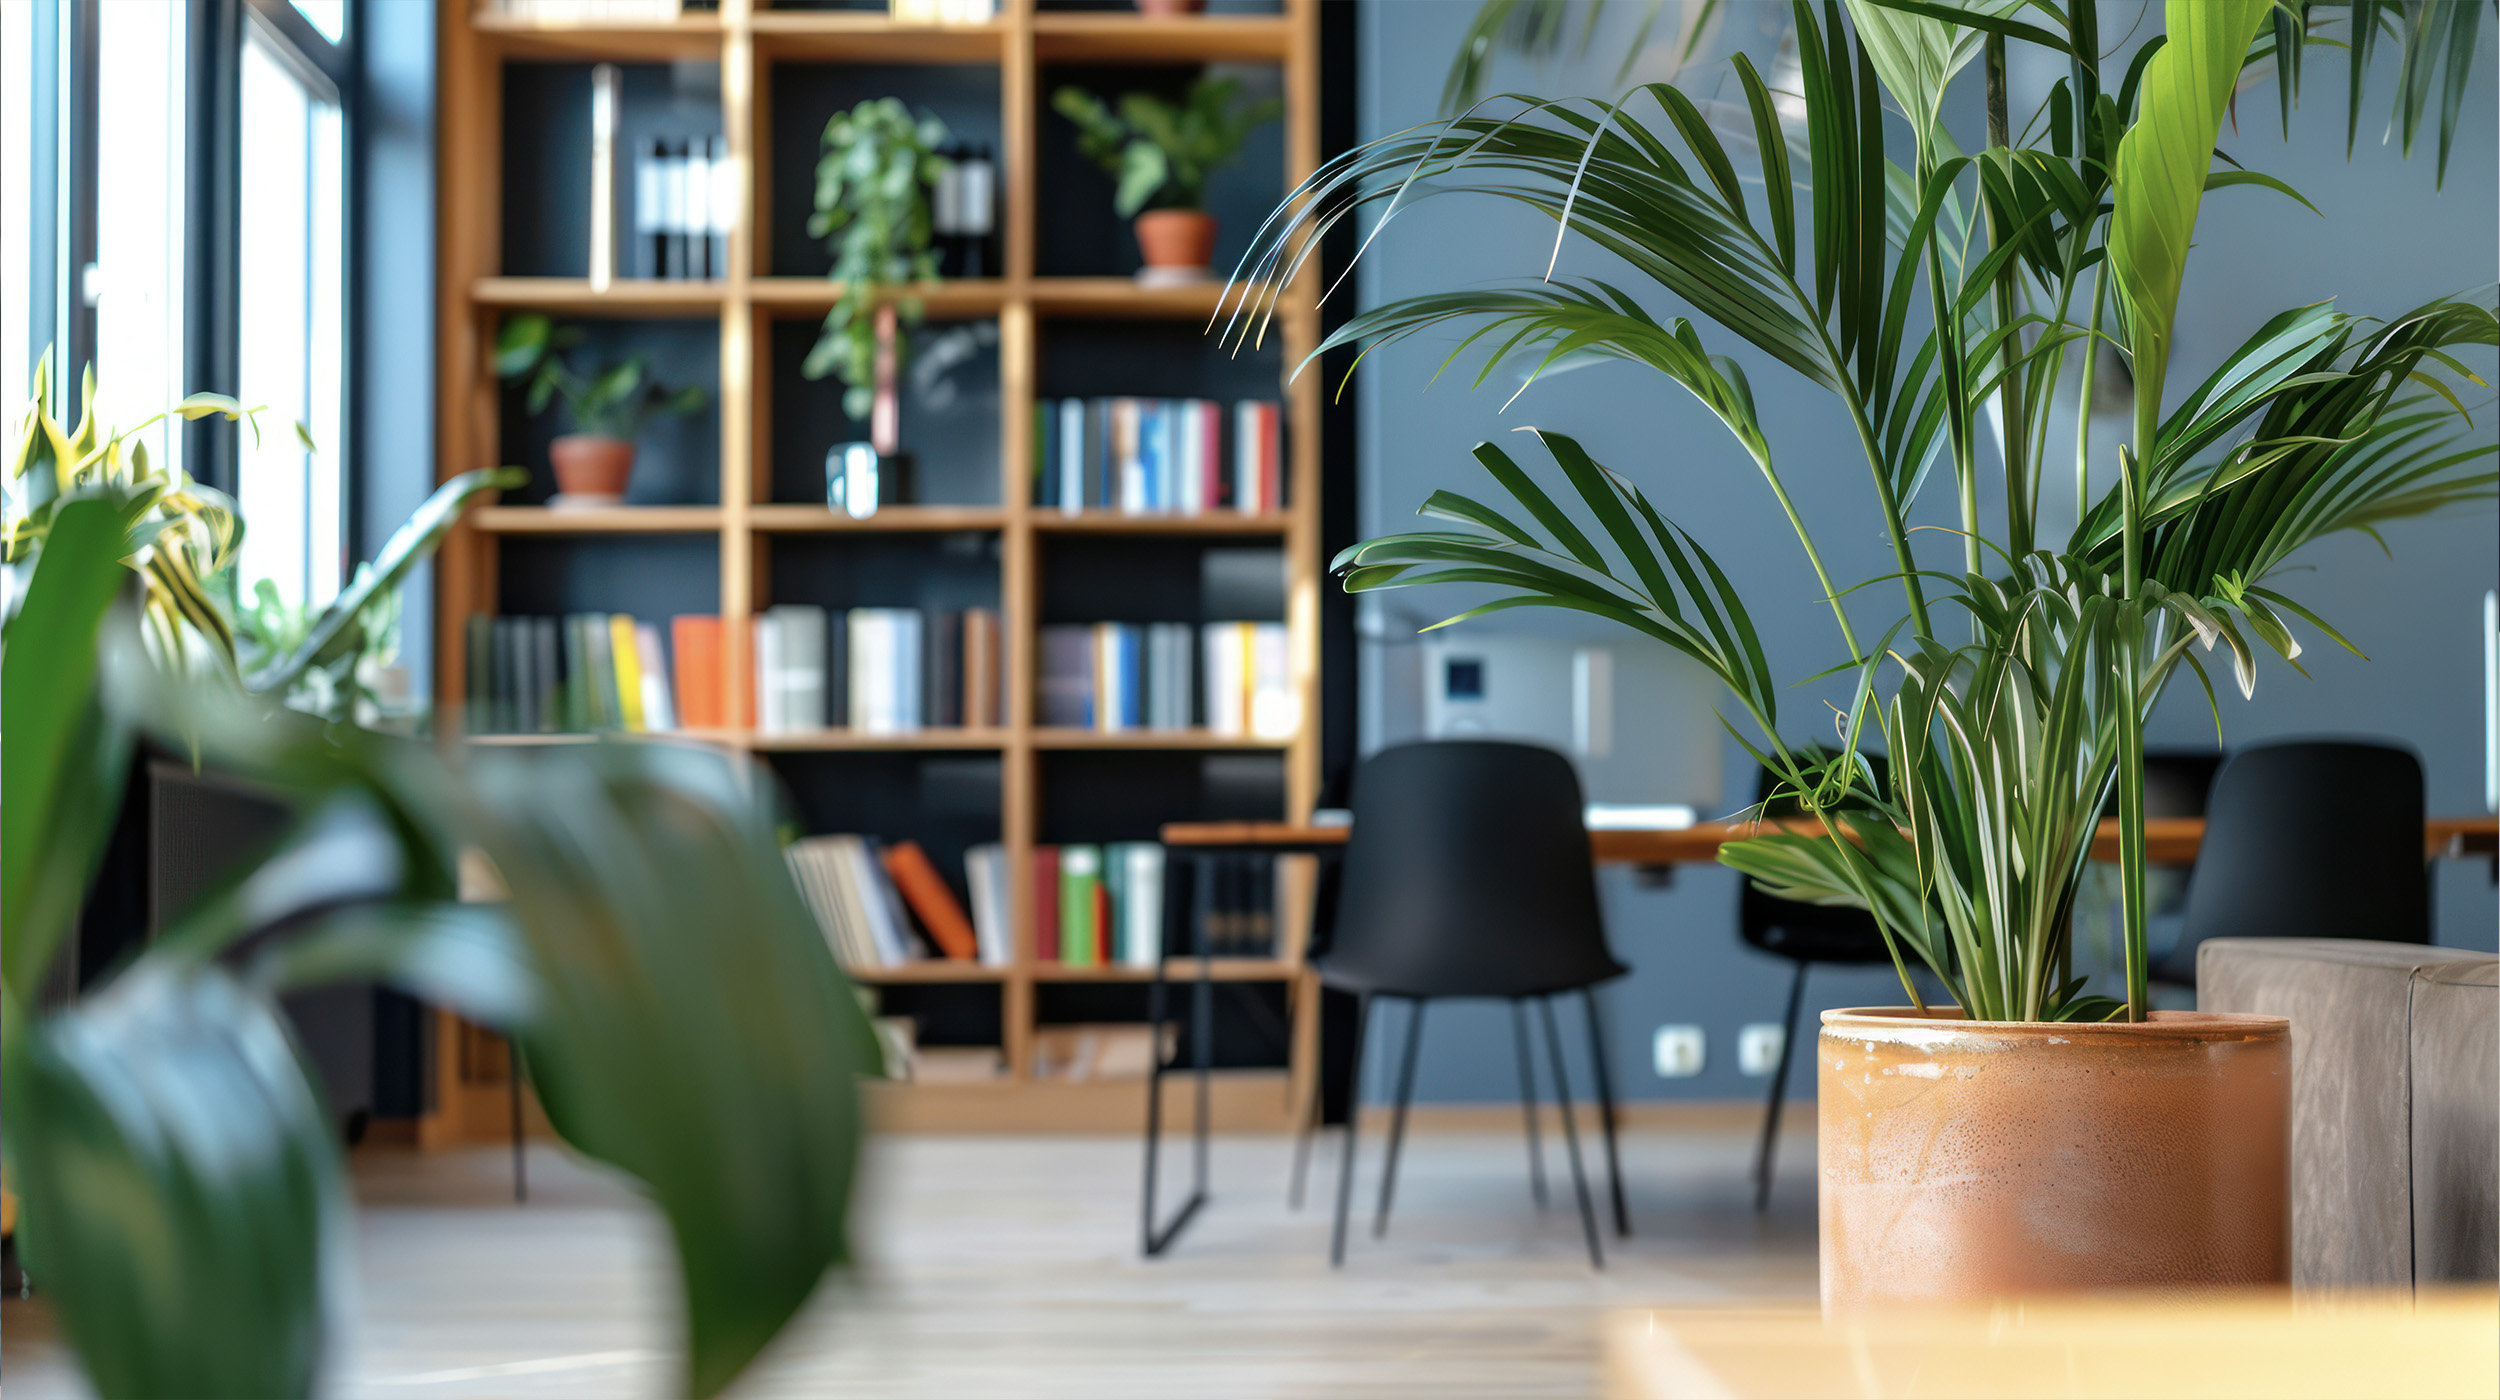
2395,1170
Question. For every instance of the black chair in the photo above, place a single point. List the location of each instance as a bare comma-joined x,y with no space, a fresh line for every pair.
1468,875
1805,934
2307,839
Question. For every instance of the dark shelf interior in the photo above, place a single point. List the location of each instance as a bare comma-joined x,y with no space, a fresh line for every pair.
1076,231
933,572
1127,794
1249,1020
947,1013
546,150
807,95
1152,359
676,459
1119,578
948,802
650,577
950,414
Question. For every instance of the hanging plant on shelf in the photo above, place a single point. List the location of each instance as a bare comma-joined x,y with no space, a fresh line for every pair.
609,408
1162,156
873,183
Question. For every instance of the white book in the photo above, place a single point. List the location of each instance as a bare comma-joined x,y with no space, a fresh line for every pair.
1142,918
1071,456
672,198
799,681
659,706
813,863
1226,645
724,203
985,880
1275,710
696,212
1128,442
768,715
607,83
871,660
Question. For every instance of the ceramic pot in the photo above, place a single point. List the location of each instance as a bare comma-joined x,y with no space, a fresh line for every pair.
1965,1161
591,470
1169,9
1177,244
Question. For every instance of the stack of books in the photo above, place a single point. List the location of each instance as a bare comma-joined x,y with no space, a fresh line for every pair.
884,905
685,200
1117,676
1158,456
877,670
1111,905
582,671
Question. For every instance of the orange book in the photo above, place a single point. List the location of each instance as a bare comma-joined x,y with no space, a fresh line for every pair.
697,643
926,892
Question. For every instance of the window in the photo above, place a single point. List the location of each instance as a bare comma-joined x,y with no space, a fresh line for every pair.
290,341
137,284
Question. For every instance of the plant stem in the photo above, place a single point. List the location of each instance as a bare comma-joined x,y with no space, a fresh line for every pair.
2014,431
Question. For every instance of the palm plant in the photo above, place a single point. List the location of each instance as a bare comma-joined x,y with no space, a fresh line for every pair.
2007,735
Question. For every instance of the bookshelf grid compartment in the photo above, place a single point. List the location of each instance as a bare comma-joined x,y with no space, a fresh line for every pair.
750,523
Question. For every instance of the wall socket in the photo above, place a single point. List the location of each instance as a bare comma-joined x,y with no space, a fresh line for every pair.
1758,1048
1677,1052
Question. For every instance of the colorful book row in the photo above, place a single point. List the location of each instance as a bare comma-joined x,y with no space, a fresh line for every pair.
1236,681
1158,456
582,671
886,905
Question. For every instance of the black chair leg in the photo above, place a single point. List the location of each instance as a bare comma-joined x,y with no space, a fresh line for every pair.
1606,1111
1763,1157
1353,1126
1397,1116
1571,1133
1527,1103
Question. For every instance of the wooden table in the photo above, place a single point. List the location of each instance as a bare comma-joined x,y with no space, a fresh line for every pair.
2167,840
2267,1343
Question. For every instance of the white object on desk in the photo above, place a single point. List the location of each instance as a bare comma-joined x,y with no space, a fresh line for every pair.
1637,816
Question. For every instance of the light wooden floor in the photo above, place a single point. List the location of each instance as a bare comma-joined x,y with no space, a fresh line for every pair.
1008,1267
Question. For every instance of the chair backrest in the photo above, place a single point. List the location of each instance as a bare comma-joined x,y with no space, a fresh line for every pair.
2311,840
1795,929
1468,874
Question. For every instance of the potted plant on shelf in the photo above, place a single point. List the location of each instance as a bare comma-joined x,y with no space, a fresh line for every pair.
609,409
2036,1133
1162,155
873,183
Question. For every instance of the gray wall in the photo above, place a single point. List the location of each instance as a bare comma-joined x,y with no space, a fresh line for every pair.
2388,241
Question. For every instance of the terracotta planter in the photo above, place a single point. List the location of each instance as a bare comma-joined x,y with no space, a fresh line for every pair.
1177,244
1169,9
590,470
1965,1161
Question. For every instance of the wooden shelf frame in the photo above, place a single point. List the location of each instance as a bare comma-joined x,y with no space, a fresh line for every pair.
746,39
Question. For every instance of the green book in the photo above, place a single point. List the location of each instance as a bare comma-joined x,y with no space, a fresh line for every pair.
577,712
1080,932
1115,916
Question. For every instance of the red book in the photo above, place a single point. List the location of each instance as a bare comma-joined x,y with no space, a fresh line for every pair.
931,901
1046,904
698,672
1102,923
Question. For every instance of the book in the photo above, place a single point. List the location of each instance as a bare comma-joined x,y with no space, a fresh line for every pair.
698,672
1138,908
722,177
942,683
885,670
658,710
984,700
478,673
790,667
607,85
926,894
1046,903
985,877
626,667
768,664
1080,891
547,649
1066,686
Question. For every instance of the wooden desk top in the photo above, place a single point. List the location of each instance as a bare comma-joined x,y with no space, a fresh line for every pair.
2168,840
2259,1342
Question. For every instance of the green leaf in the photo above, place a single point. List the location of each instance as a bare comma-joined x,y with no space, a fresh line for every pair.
693,1030
464,956
1143,170
183,1201
61,756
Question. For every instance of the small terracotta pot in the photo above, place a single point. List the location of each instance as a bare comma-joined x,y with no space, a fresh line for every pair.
1177,240
591,469
1965,1161
1169,9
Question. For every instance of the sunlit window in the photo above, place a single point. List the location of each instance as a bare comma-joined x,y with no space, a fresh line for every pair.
140,217
328,16
290,345
18,334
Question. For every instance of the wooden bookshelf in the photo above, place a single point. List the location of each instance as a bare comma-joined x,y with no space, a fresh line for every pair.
751,43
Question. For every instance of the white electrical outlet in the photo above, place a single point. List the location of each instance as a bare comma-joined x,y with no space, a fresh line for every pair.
1677,1052
1758,1048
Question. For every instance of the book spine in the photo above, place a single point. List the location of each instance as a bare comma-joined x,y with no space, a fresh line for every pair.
1046,904
1080,887
606,96
478,667
1072,452
723,203
697,645
624,655
768,679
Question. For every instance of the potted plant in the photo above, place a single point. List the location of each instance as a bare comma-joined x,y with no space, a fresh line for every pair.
609,408
2037,1133
1162,155
873,182
161,1126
